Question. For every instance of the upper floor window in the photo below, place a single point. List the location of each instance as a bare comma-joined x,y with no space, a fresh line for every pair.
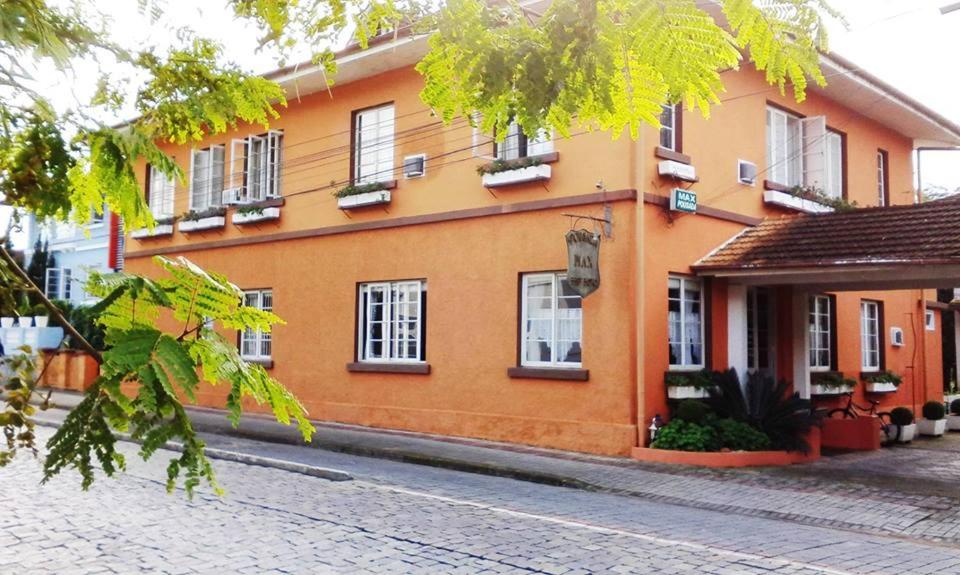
784,147
159,193
254,343
206,177
685,323
255,168
669,127
516,144
820,327
373,142
883,185
391,326
804,152
552,320
57,283
96,218
870,340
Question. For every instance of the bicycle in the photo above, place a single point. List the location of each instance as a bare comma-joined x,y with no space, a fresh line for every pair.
854,411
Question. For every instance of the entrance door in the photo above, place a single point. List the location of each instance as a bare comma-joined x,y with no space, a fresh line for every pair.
760,331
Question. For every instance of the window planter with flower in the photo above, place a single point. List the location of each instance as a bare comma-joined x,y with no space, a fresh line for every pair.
253,213
808,199
830,383
362,195
508,172
162,227
883,382
198,220
691,385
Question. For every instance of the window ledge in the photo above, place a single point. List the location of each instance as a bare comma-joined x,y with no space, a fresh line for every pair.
258,214
784,199
557,373
373,367
265,362
211,223
668,154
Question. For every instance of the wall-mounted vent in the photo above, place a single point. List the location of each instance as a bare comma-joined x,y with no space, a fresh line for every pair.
896,337
746,172
415,166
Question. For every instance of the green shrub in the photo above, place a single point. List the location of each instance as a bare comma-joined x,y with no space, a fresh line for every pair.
955,407
832,380
884,377
901,416
680,435
697,379
933,410
693,411
738,436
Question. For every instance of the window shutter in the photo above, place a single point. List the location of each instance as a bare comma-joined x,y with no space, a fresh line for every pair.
814,134
199,182
65,286
49,282
217,163
274,163
237,169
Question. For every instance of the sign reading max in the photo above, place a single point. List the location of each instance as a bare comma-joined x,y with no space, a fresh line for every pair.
583,261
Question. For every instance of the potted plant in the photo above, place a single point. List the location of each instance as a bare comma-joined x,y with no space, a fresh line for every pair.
933,422
25,321
196,220
694,385
506,172
953,420
255,213
902,427
6,322
360,195
883,382
830,383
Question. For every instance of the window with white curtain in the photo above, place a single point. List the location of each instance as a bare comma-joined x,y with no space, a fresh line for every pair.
685,323
819,326
160,188
552,316
833,165
254,343
870,336
784,148
391,327
516,144
668,125
206,177
373,143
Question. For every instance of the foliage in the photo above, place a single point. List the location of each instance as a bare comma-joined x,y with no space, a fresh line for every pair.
885,377
497,166
357,189
211,212
84,319
955,407
693,411
738,436
767,406
833,380
933,410
901,416
18,373
815,194
250,210
680,435
165,368
698,379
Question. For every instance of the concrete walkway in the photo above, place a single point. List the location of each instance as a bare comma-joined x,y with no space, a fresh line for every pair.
912,492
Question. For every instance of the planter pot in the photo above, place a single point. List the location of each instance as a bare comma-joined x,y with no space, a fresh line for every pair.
881,387
25,321
263,215
41,320
518,176
6,322
953,422
687,392
907,433
362,200
934,427
948,398
817,389
785,200
157,231
202,224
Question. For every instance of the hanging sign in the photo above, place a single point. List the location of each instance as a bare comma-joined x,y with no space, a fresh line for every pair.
683,200
583,261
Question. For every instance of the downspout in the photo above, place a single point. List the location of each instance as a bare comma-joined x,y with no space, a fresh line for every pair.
636,178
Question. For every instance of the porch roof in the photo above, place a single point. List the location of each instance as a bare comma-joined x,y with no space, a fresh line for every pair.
895,247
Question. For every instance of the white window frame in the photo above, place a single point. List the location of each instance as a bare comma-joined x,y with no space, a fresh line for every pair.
160,196
255,336
517,145
556,279
833,164
262,167
206,184
394,349
929,320
870,318
819,306
62,279
684,282
668,127
881,178
373,144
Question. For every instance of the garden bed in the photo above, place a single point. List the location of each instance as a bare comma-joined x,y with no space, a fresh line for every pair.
730,458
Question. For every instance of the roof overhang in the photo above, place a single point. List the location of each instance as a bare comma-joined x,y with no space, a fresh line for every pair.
847,277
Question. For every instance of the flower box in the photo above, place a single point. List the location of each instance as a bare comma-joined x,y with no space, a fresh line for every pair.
250,217
365,199
687,392
934,427
905,435
536,173
953,422
881,387
157,231
202,224
785,200
817,389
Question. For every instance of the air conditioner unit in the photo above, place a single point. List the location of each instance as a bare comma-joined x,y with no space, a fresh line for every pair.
746,172
896,337
234,196
415,166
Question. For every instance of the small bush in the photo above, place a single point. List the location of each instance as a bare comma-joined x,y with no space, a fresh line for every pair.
901,416
737,436
955,407
680,435
933,410
693,411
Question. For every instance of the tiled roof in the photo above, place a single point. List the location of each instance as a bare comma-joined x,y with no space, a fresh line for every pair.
915,234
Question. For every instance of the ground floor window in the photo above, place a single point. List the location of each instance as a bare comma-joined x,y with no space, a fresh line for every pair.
552,322
254,343
820,328
685,323
870,330
391,326
759,330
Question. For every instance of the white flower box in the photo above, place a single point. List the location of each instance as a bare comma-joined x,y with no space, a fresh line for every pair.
816,389
158,230
881,387
519,176
953,422
202,224
687,392
907,432
365,199
935,427
785,200
259,216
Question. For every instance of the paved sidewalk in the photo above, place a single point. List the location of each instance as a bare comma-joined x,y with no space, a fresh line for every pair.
912,492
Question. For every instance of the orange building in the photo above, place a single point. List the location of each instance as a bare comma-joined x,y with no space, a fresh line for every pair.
437,301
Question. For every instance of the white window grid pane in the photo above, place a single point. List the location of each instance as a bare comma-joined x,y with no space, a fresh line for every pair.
819,333
391,322
161,194
881,181
255,343
667,127
870,336
374,145
834,165
685,323
552,323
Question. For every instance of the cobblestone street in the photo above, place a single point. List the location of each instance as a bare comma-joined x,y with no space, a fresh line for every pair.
400,518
